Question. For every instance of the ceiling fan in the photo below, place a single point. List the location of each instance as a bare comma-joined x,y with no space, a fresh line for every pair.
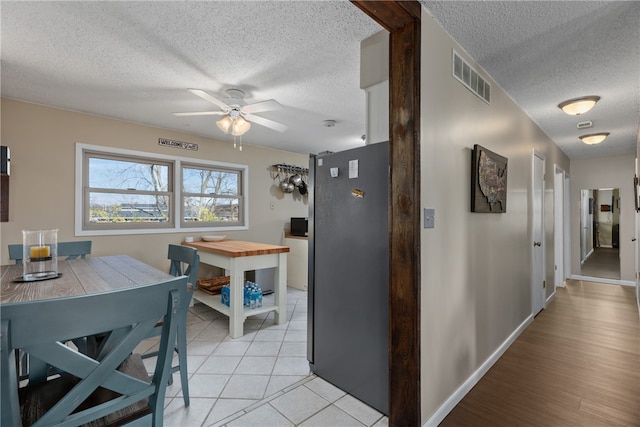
237,117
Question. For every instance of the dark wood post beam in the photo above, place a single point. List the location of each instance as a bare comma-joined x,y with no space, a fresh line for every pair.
402,20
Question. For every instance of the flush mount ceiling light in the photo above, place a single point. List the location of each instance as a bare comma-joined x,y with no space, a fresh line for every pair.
577,106
594,138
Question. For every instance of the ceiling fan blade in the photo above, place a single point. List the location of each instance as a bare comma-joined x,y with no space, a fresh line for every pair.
259,107
266,122
204,95
201,113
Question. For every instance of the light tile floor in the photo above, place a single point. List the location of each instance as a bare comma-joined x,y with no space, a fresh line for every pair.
261,379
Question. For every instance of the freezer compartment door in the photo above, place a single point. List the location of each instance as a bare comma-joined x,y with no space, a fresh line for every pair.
351,272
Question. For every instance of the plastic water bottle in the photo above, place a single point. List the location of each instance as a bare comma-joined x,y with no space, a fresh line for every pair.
225,295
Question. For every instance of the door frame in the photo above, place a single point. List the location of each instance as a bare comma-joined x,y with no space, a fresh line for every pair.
636,235
534,286
559,225
567,226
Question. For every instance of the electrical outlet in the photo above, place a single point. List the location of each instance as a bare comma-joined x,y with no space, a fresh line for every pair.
272,205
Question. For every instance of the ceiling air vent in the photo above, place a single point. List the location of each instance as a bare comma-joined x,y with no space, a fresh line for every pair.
585,124
469,77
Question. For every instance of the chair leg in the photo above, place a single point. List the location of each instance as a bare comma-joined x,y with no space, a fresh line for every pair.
182,360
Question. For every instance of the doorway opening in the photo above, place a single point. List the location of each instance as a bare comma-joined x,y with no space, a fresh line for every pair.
600,233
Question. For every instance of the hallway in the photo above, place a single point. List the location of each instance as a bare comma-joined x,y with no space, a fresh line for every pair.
575,365
604,263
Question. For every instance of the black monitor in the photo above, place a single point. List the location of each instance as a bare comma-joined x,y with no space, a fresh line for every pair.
299,226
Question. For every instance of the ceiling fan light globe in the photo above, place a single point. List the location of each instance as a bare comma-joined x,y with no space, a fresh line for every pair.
224,124
240,126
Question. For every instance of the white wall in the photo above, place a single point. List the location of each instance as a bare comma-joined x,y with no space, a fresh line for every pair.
605,172
42,142
476,268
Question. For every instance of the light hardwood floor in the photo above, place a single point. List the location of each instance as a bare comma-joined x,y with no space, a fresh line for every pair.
604,262
577,364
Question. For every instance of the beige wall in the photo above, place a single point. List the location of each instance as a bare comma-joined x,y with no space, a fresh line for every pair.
476,268
42,142
605,172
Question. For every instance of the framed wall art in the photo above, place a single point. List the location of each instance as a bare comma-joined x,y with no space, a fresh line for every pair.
488,181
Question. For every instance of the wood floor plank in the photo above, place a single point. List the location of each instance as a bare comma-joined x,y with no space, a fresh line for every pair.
577,364
603,262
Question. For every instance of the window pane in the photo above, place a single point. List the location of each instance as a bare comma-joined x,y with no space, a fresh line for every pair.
127,175
211,209
129,191
210,181
114,207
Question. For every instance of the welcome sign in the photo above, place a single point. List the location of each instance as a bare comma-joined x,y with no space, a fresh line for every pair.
178,144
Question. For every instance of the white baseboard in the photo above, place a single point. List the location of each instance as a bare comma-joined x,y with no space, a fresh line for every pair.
603,280
457,395
551,297
586,257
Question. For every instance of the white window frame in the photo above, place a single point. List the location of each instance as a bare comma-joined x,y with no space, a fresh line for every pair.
239,195
177,194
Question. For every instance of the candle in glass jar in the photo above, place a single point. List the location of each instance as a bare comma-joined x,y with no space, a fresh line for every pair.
40,251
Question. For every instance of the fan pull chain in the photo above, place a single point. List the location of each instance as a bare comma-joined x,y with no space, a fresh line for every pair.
238,145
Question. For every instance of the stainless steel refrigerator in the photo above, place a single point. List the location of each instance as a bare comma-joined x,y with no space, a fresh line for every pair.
349,271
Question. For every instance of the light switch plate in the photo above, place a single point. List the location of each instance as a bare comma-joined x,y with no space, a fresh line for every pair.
429,218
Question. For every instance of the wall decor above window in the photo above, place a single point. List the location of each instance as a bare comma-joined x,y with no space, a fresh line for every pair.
488,181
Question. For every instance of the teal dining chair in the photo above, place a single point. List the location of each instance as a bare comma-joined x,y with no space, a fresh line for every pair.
70,250
185,261
110,388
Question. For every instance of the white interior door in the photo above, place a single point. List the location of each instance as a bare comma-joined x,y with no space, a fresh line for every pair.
537,276
637,256
558,229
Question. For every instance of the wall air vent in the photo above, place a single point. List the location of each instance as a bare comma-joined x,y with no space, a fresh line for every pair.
469,77
585,124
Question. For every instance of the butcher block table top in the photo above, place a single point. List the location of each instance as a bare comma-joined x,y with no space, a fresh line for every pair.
237,248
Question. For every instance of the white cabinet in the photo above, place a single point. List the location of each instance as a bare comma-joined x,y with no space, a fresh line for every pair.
297,261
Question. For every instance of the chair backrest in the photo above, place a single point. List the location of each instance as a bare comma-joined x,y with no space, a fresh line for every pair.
181,256
70,250
73,250
41,329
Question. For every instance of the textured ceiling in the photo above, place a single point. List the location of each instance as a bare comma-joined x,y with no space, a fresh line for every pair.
136,60
545,52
